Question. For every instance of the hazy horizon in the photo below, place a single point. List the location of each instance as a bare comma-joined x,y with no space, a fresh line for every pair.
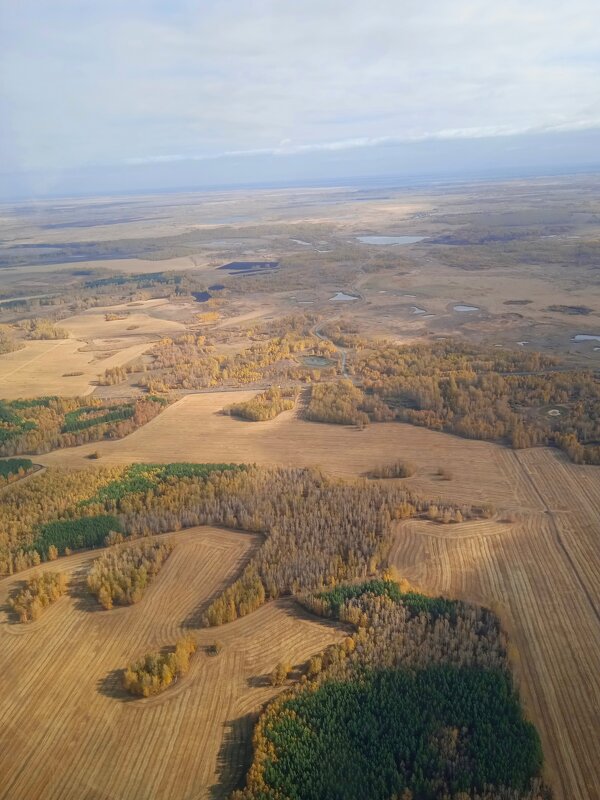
152,97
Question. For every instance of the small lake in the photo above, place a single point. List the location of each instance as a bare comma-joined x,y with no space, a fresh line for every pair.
461,307
587,337
387,240
342,297
301,241
417,310
317,361
201,297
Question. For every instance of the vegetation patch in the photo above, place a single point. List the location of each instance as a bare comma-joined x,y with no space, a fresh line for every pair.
398,469
76,534
330,603
266,405
121,576
432,733
38,425
13,468
417,704
155,672
39,592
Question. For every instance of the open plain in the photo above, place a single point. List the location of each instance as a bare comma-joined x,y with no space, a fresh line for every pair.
512,265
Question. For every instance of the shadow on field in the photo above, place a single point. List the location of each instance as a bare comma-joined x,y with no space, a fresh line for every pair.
111,686
234,756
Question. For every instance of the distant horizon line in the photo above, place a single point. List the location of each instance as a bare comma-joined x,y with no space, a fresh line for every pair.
462,177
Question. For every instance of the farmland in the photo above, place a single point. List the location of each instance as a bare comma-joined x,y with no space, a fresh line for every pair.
479,316
538,585
116,748
540,573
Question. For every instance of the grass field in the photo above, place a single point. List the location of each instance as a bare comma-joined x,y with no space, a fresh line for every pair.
74,733
543,568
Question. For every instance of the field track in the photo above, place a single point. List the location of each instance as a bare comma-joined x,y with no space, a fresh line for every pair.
541,574
69,732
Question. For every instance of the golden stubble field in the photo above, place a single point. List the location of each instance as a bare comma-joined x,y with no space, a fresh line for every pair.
68,367
541,571
69,732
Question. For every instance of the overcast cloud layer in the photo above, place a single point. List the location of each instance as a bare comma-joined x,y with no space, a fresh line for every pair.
144,82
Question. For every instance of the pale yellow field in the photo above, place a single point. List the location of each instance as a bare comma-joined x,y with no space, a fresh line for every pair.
42,367
194,430
67,729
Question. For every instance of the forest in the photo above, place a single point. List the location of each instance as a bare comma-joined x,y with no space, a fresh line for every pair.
41,424
121,575
12,469
499,395
418,704
317,529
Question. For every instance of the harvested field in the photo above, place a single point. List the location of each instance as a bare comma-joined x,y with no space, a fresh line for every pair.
194,430
541,571
95,345
541,574
45,364
74,733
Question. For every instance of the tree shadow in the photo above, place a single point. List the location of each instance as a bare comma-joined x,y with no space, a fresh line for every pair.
111,686
235,755
259,681
83,599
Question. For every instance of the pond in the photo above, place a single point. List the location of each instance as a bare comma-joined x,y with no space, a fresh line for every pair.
587,337
387,240
317,361
201,297
417,310
342,297
461,307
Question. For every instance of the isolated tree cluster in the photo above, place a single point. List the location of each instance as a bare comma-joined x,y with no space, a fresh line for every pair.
39,592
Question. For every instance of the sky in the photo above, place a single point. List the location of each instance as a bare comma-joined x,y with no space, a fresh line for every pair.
141,94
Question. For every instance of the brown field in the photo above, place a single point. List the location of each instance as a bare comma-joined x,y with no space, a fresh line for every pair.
541,571
68,730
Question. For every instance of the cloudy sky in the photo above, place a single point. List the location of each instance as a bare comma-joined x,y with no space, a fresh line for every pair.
146,91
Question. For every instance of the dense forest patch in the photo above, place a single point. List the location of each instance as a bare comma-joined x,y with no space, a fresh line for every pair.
317,529
498,395
39,592
418,704
13,468
156,671
75,534
41,424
